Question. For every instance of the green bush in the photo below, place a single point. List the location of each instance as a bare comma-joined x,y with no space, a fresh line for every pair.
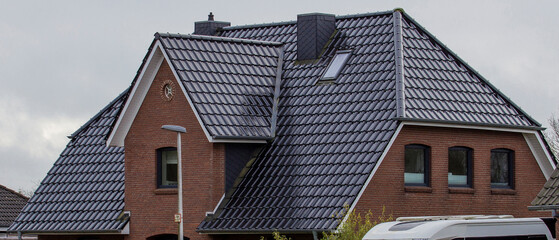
356,226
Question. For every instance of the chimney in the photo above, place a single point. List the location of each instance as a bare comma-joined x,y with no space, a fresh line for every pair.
313,32
209,27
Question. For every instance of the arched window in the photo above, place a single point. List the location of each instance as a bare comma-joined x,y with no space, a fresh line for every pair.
502,168
460,167
167,167
417,165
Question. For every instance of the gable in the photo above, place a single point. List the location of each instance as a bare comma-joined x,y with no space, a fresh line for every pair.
231,85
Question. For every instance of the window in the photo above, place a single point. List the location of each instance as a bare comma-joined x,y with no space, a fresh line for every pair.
416,172
502,168
460,167
167,171
336,65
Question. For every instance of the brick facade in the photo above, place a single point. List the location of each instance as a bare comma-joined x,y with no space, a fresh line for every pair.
387,186
152,209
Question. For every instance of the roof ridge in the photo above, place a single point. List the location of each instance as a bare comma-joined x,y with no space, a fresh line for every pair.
215,38
273,24
14,192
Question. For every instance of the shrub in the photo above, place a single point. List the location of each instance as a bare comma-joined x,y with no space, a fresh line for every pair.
356,226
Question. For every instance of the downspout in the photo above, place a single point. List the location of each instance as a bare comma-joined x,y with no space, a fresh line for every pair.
315,235
19,235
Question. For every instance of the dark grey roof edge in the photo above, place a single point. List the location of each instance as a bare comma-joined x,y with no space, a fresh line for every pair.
84,126
99,231
214,38
244,137
543,207
548,148
14,192
480,124
272,24
454,55
263,231
399,61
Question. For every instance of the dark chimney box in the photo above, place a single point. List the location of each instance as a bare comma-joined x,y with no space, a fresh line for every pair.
209,27
313,32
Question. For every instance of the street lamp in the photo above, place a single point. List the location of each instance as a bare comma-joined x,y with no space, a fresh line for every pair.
178,130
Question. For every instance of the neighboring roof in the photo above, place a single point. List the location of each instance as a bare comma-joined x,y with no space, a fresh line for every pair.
331,136
11,204
548,197
84,190
231,82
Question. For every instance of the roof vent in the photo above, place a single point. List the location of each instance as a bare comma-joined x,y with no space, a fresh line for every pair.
313,32
209,27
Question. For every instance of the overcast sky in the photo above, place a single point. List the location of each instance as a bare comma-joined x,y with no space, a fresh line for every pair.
63,61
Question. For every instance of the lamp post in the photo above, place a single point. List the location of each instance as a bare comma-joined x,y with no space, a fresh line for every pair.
178,130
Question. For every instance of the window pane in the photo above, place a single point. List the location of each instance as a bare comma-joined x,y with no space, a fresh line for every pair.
458,167
169,161
336,65
500,168
414,165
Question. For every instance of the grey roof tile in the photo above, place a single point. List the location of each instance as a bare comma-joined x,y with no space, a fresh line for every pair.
84,190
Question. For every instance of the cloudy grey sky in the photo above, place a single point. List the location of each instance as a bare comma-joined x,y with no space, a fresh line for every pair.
63,61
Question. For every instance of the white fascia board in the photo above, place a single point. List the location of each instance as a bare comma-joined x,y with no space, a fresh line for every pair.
135,99
542,156
377,165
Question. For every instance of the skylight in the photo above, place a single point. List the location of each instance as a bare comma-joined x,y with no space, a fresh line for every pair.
336,65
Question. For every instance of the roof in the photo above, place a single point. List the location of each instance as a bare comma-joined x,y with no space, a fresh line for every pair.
330,137
231,82
548,197
325,139
11,204
84,190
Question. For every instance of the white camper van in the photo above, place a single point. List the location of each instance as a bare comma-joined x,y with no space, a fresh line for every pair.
463,227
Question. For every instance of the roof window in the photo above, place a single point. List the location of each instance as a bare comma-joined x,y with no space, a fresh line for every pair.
336,65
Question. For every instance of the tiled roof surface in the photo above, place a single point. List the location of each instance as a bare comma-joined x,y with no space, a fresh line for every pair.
231,82
440,87
331,136
11,204
549,195
84,190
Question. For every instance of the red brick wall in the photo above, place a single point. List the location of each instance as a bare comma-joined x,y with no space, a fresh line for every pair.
387,186
152,209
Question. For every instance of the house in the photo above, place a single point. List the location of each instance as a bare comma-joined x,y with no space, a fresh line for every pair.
286,124
11,204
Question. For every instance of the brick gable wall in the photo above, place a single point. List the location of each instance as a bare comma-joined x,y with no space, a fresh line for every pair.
152,209
387,186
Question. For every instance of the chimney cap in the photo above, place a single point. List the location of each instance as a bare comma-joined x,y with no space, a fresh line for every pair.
211,17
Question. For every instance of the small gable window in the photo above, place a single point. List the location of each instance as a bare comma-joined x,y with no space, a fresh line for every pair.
502,168
167,170
336,65
416,169
460,167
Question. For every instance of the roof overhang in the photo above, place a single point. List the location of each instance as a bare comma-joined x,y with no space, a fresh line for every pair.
124,231
139,91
